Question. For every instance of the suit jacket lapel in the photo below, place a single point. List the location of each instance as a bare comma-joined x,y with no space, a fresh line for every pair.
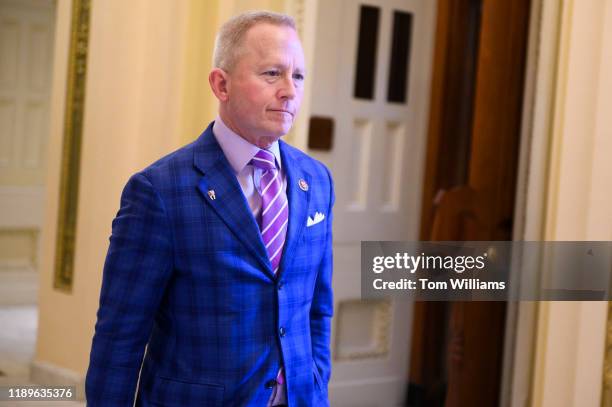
298,202
228,200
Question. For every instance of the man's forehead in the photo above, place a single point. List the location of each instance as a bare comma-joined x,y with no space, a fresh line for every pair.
268,45
263,38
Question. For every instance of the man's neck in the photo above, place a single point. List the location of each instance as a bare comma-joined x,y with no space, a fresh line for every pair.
261,142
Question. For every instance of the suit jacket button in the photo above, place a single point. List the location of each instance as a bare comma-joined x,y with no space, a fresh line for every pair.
281,331
280,285
270,383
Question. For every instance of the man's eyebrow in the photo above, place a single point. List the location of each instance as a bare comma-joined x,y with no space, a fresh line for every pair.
281,66
299,70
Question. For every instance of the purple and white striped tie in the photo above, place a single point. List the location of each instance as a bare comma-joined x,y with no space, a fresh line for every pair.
274,217
274,209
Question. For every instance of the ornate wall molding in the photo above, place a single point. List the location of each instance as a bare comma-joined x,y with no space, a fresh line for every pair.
297,9
71,149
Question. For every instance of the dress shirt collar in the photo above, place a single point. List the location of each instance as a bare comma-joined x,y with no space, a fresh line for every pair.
237,150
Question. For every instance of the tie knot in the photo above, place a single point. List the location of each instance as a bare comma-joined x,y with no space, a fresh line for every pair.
265,160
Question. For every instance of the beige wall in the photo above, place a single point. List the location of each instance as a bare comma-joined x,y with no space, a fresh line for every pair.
146,94
570,338
132,116
199,105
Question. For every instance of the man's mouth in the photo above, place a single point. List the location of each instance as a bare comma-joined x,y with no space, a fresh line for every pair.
282,111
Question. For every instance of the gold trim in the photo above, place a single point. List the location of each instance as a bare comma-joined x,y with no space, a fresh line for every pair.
297,9
71,149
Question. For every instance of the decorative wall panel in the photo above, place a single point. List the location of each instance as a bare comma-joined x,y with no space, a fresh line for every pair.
363,329
360,163
71,150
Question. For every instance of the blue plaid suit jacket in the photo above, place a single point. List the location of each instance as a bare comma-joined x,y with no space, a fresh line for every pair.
188,277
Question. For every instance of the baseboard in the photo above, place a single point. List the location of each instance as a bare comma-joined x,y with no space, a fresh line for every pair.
47,374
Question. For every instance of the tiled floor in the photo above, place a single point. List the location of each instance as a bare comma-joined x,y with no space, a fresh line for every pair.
17,342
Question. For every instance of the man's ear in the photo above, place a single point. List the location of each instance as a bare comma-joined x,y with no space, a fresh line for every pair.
218,83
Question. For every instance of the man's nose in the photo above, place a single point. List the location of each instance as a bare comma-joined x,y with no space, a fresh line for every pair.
288,89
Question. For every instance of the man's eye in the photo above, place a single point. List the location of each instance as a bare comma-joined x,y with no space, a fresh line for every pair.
298,76
272,74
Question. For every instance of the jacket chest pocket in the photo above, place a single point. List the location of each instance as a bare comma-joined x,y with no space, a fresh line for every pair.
315,233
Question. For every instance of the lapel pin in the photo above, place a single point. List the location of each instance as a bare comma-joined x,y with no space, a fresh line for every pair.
211,194
303,184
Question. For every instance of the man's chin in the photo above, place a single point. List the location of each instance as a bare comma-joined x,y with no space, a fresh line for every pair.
267,140
278,132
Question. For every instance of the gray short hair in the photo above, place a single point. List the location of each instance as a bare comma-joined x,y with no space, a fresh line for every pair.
230,37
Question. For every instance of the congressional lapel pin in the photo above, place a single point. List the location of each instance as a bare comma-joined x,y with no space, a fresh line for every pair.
303,184
211,194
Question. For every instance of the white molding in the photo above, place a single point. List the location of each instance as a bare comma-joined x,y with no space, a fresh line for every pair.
571,335
18,286
537,116
19,264
34,4
21,207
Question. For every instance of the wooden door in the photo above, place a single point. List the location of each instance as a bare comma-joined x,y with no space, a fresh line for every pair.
469,190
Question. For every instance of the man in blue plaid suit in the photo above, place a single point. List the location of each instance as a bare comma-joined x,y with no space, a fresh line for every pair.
192,310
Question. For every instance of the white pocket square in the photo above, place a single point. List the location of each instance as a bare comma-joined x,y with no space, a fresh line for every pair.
318,217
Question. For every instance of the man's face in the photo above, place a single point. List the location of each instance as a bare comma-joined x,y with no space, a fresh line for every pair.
265,87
